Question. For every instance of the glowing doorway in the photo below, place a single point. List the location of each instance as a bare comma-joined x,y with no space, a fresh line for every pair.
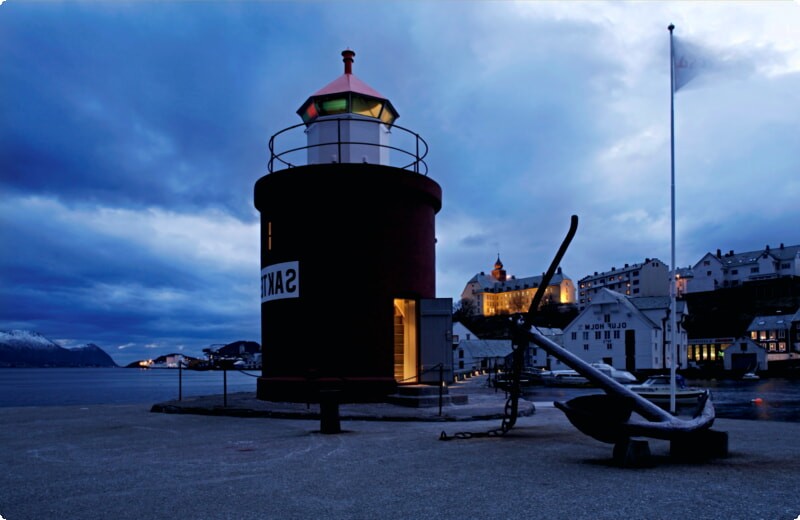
405,341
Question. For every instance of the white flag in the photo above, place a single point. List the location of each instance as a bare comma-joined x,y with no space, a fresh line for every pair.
689,61
699,64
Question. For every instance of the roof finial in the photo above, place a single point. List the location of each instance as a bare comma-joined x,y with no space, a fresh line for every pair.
347,58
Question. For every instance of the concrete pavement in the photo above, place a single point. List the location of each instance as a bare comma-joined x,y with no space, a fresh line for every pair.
126,462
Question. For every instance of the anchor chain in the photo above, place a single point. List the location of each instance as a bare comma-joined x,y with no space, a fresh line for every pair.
520,327
511,409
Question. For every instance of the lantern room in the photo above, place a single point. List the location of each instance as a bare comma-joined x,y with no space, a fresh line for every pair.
348,110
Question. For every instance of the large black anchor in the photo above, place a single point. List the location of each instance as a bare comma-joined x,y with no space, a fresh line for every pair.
610,417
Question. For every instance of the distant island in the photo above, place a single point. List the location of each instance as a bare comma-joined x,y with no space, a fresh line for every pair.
22,348
30,349
240,354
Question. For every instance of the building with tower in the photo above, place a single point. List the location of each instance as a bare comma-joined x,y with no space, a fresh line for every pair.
348,252
497,293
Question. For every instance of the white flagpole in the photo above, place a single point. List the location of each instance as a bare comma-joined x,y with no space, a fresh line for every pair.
673,271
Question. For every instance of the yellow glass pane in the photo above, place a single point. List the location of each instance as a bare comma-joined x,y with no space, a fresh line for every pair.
366,107
387,116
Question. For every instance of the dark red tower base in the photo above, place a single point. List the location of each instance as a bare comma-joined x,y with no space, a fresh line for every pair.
362,235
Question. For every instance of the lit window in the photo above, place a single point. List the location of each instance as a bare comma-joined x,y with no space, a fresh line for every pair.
333,106
387,116
367,107
310,113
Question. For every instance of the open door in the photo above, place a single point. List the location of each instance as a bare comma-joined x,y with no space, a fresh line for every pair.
406,343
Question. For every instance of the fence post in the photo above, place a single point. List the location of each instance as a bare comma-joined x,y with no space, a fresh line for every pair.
441,387
225,386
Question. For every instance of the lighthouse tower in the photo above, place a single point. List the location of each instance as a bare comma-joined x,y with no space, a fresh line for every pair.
348,253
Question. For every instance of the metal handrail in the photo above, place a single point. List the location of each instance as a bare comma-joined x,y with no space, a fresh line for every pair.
417,164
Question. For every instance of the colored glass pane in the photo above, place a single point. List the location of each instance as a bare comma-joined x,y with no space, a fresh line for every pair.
387,116
366,107
333,106
310,113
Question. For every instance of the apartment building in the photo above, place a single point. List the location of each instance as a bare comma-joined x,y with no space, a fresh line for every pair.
649,278
722,270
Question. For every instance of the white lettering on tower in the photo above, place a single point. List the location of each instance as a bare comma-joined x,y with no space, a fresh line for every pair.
279,281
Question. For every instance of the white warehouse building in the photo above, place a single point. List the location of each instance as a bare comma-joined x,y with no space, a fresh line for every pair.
627,333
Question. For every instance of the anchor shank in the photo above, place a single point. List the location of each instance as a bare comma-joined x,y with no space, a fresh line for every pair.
641,405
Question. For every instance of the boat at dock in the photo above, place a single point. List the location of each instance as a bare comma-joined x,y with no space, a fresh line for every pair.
750,376
658,390
566,377
620,376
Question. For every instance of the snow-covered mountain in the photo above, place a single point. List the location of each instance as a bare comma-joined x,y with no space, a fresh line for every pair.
27,339
24,348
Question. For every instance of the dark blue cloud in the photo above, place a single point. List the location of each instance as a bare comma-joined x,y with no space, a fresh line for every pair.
161,112
133,104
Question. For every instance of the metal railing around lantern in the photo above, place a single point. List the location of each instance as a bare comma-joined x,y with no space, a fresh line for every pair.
411,156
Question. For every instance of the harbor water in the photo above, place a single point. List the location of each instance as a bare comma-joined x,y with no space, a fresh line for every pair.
768,399
772,399
83,386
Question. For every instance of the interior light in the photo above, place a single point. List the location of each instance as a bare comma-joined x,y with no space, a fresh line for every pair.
310,113
334,106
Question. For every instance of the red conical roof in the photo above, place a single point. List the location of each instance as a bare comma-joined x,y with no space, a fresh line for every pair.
347,84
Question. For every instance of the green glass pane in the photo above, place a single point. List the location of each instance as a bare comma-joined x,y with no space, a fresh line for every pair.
333,106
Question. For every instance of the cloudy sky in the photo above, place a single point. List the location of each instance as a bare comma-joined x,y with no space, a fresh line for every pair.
131,135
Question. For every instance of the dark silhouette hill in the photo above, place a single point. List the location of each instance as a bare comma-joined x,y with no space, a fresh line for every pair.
22,348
